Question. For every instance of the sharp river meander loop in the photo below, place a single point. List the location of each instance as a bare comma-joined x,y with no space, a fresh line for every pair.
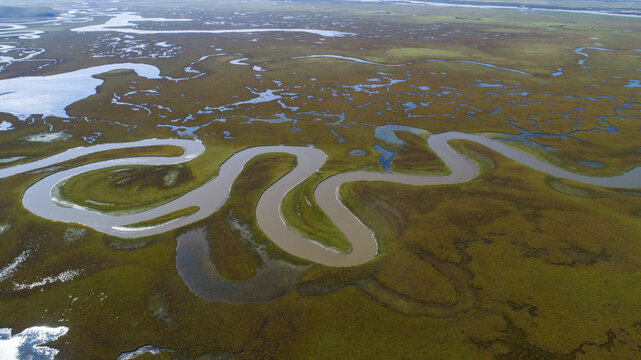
213,194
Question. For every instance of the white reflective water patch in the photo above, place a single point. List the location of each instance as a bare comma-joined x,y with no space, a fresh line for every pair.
125,23
56,92
28,343
48,137
5,125
7,271
147,349
10,160
64,276
348,58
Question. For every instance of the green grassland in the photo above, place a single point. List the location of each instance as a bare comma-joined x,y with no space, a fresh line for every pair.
512,265
499,233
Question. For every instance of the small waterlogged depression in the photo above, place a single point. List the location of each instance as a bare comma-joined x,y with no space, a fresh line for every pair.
146,349
3,228
11,159
357,152
48,137
487,85
64,276
29,344
591,164
386,157
243,63
5,126
8,271
558,72
273,278
633,84
387,133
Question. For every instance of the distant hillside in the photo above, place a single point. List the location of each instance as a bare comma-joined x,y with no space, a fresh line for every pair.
26,12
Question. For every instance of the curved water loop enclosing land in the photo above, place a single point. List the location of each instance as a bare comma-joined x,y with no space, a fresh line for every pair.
273,279
212,195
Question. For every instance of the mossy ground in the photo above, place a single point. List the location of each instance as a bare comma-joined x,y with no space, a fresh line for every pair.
513,264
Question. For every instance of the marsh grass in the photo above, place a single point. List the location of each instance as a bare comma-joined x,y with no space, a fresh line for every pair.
513,264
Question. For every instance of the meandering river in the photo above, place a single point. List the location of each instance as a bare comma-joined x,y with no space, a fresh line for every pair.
212,195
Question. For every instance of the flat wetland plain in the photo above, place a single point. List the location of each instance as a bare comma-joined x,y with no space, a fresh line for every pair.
514,264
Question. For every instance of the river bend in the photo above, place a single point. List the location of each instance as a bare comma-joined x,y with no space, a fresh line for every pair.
212,195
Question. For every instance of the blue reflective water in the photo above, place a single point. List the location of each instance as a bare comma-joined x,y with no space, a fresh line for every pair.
387,133
591,164
486,85
580,51
558,72
633,84
386,157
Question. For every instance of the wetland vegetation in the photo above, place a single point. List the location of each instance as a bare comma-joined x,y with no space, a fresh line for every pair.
513,264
